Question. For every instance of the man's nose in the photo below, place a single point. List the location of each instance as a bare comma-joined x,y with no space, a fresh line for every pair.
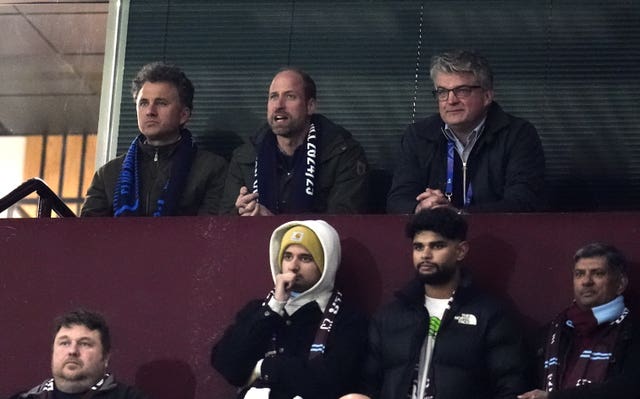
279,102
73,349
452,98
151,109
587,279
295,265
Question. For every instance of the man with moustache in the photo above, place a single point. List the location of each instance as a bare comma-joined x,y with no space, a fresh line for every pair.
299,161
80,356
592,349
163,173
442,338
471,155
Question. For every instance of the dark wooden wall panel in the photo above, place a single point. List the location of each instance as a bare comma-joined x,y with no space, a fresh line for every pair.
170,286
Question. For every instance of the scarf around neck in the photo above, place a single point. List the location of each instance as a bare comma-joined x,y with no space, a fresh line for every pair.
305,170
594,333
126,201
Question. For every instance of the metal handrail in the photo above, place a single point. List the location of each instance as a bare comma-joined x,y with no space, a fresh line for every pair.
48,200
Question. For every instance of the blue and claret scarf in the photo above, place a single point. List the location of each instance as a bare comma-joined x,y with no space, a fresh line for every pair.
305,170
126,201
594,334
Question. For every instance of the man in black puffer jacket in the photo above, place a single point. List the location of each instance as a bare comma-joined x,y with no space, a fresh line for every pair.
442,338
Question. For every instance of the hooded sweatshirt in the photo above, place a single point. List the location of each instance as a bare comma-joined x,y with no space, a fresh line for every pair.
270,350
322,290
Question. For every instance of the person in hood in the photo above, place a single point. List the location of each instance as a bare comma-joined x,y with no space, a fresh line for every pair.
302,341
79,360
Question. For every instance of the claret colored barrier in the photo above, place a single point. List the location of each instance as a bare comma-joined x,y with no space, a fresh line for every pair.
170,286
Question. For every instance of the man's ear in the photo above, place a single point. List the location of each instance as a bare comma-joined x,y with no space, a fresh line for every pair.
461,250
185,114
311,106
623,282
488,97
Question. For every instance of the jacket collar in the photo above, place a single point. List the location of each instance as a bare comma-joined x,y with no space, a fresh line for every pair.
106,383
496,120
164,151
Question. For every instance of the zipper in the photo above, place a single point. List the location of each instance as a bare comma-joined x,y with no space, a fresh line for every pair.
148,210
464,183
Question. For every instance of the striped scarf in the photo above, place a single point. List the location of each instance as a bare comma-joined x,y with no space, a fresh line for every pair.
126,200
591,347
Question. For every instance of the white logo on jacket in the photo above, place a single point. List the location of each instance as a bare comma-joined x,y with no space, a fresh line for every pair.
466,318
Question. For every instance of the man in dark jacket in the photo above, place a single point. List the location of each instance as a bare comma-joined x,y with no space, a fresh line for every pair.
302,340
163,173
299,161
442,338
472,155
81,351
592,349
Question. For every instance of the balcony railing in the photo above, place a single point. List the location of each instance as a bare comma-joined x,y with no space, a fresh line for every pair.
47,200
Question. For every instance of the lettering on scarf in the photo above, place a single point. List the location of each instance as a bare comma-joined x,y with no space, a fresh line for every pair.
255,174
311,161
326,324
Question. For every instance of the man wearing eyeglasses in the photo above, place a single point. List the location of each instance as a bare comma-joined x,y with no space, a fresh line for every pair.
471,156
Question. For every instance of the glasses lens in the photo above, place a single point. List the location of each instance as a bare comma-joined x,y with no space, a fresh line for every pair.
462,91
441,94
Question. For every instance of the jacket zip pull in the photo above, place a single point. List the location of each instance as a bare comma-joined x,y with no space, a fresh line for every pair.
464,183
155,156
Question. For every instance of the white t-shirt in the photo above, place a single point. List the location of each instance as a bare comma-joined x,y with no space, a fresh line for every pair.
436,308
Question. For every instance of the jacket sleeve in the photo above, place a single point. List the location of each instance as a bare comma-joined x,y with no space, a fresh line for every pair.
328,376
409,179
372,375
350,191
97,202
215,186
524,175
245,342
234,180
506,357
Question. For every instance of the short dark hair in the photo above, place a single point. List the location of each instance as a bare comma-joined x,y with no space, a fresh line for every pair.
615,259
444,221
83,317
161,72
307,82
465,61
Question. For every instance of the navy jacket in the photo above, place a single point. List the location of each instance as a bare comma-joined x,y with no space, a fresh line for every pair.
506,166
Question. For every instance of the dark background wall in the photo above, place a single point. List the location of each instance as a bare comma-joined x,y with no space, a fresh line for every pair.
571,67
170,286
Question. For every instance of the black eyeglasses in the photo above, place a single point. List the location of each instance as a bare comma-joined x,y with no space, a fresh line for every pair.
463,91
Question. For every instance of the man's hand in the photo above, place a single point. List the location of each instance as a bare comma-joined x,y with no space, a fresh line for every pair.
247,204
284,283
535,394
430,199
